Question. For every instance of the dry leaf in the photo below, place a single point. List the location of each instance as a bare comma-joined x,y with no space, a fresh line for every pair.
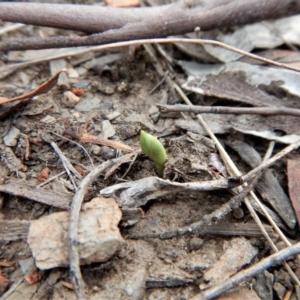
42,89
80,170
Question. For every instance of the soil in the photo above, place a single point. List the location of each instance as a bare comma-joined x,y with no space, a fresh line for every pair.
118,92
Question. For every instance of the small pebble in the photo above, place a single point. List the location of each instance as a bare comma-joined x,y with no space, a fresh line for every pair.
11,137
238,213
107,129
95,149
48,119
196,243
70,99
107,153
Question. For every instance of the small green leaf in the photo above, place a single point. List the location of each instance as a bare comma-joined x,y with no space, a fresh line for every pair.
154,149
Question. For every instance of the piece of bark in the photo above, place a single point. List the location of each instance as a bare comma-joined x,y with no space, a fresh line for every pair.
237,229
268,187
131,216
169,279
293,173
223,229
21,189
13,230
98,235
239,252
10,161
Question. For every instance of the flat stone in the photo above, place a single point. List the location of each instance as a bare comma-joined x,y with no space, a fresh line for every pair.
11,137
27,265
49,120
108,129
98,235
88,104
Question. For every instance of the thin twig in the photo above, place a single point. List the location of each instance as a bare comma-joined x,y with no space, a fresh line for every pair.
270,161
11,28
267,111
77,144
13,67
266,263
51,178
131,164
67,165
74,217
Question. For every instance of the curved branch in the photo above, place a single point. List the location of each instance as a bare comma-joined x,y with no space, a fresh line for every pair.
121,24
86,18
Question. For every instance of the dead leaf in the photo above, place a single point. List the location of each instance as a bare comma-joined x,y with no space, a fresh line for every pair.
42,89
80,170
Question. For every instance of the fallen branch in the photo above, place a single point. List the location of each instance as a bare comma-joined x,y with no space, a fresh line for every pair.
139,192
117,24
266,111
243,275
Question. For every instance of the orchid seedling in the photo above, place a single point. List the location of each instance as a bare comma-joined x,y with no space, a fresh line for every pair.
155,150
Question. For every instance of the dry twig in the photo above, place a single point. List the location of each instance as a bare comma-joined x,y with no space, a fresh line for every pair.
74,217
243,275
267,111
6,70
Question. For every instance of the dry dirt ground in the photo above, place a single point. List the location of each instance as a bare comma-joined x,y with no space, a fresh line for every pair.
117,102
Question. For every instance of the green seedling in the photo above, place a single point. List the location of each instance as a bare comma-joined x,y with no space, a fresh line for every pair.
155,150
